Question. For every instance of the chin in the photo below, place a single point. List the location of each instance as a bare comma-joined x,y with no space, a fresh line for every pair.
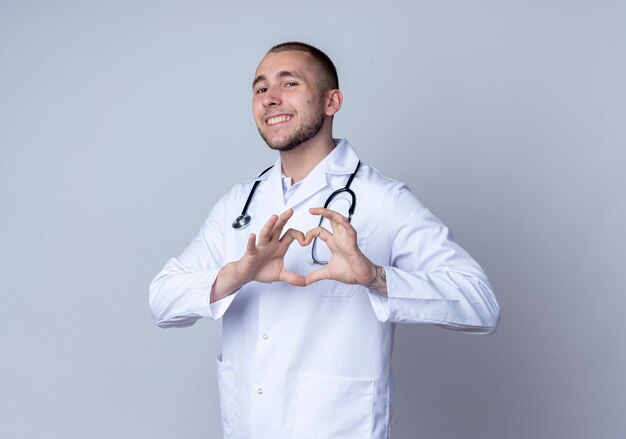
282,146
279,143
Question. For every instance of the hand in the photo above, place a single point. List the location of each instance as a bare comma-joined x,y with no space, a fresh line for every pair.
347,263
262,261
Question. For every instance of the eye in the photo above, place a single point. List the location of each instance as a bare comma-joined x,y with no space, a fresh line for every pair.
290,84
260,90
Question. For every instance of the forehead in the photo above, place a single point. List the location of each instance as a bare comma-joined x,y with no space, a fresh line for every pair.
273,64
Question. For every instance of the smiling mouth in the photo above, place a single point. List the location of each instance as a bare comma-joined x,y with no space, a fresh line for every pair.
275,120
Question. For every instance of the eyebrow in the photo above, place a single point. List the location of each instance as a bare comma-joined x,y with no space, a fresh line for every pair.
281,74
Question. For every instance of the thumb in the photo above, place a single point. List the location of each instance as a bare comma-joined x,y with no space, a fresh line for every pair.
292,278
317,275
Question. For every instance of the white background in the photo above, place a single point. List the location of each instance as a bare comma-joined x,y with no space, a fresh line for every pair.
122,122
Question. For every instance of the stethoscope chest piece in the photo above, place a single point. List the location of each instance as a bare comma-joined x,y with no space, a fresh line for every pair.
241,221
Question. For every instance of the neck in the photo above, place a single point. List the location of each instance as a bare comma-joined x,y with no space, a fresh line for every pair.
298,162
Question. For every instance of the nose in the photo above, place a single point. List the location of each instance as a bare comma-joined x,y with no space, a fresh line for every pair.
271,97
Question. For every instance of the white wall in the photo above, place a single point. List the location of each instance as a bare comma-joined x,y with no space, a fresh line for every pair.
121,123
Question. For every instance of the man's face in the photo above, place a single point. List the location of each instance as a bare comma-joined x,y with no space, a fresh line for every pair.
287,105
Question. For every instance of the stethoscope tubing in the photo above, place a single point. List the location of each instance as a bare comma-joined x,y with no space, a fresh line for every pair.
244,219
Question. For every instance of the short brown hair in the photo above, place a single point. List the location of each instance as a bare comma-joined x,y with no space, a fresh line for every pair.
327,78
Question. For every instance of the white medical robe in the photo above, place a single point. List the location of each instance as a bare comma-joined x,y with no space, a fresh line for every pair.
314,362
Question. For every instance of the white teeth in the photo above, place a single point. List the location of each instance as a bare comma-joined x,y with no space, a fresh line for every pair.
278,119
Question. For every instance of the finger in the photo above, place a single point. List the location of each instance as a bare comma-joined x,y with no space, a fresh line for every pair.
317,275
291,235
320,232
338,222
251,244
266,231
292,278
282,220
330,215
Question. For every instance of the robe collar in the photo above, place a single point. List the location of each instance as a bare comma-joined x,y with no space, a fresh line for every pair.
341,160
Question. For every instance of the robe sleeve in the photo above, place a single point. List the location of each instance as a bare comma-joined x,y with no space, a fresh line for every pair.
180,293
430,278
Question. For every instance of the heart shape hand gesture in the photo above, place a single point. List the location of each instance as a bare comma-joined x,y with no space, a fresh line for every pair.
263,260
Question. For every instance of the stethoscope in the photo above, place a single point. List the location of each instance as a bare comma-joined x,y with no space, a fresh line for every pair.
244,219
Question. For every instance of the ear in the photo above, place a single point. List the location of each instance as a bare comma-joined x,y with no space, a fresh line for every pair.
334,100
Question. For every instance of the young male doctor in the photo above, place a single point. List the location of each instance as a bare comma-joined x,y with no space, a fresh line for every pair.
309,310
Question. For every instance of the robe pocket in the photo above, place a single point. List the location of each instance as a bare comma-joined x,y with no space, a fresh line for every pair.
333,288
226,386
333,407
